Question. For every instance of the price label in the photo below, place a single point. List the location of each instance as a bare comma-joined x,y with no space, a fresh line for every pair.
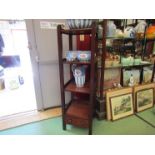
81,37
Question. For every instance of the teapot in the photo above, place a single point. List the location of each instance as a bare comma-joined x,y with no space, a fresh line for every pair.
129,32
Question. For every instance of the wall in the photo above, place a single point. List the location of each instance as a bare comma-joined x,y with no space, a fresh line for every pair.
46,58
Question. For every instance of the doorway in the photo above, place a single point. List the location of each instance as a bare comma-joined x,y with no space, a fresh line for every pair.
17,92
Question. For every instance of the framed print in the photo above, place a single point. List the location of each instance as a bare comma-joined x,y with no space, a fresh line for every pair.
144,97
110,78
147,75
127,74
121,106
113,98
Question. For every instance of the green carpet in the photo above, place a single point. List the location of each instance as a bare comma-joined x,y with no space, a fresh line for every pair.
148,115
131,125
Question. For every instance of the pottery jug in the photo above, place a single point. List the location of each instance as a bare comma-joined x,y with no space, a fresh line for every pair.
79,75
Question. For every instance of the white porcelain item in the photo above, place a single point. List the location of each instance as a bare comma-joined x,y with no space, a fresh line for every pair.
80,80
77,23
79,75
140,27
86,23
90,22
69,23
129,32
111,29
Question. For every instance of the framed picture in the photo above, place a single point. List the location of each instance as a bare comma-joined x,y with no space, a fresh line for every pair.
144,97
127,74
121,106
119,103
147,75
110,78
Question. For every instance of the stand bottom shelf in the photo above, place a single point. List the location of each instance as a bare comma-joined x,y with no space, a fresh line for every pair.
78,114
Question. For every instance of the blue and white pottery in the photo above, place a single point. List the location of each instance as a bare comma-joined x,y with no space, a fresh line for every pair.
90,22
80,80
69,23
71,55
73,23
86,23
81,23
84,55
77,23
79,75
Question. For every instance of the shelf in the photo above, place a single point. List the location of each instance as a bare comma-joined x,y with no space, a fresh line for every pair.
125,39
153,39
71,87
76,62
134,66
121,66
79,109
76,31
116,38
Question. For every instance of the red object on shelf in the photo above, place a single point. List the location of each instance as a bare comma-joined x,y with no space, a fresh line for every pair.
84,43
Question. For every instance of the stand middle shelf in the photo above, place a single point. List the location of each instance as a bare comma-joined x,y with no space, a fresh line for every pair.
71,87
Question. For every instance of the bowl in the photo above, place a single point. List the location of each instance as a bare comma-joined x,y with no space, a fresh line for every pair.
79,23
125,61
137,61
84,55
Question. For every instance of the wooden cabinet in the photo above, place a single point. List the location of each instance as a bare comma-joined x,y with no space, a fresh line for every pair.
78,112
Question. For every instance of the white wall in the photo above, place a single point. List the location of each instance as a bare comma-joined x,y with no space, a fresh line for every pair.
44,46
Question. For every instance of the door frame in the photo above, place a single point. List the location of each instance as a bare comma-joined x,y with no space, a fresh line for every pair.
34,55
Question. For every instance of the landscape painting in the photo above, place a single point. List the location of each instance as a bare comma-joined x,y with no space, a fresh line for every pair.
121,106
144,99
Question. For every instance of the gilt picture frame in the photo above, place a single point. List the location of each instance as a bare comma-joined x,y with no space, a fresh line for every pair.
144,99
121,106
111,97
144,96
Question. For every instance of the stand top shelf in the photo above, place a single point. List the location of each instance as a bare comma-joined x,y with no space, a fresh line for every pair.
76,31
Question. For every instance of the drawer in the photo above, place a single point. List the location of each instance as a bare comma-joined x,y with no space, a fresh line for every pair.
77,121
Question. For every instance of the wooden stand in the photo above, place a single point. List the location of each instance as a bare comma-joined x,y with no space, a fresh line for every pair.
78,112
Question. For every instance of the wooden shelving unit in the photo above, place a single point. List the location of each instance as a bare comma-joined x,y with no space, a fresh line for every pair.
101,98
78,112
